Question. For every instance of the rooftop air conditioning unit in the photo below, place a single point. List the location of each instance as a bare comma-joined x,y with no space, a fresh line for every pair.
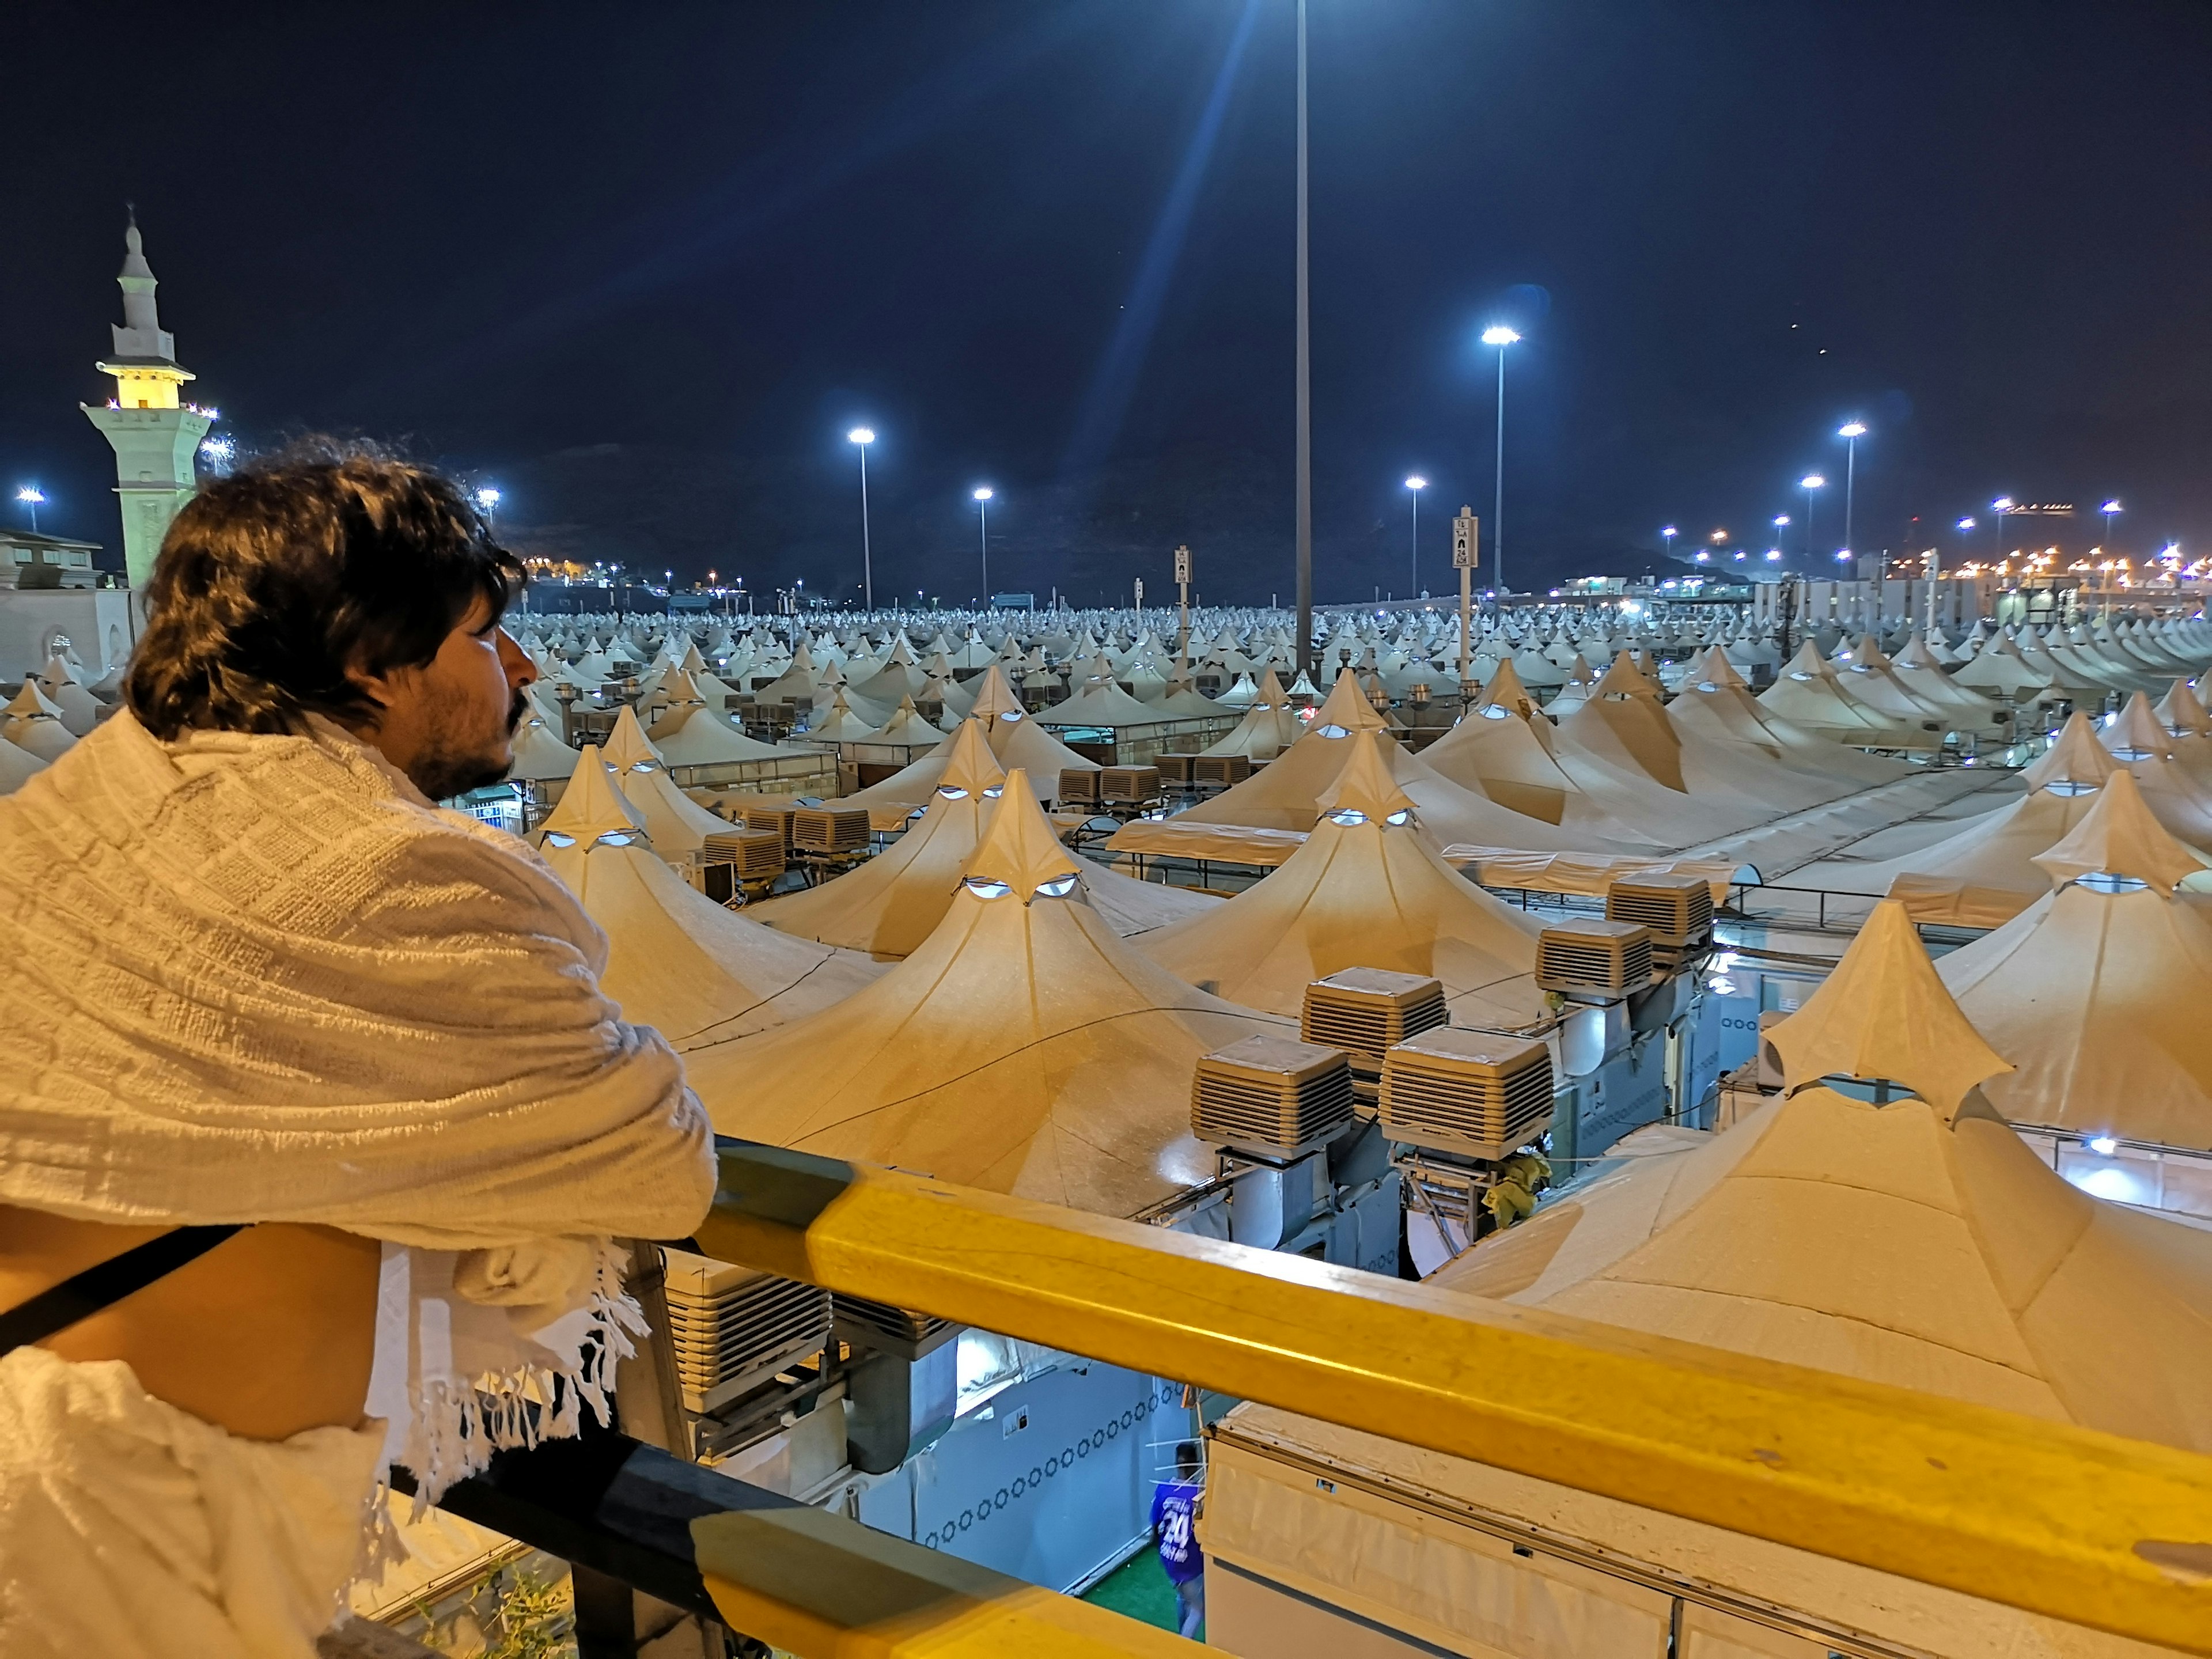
1274,1095
831,831
1078,785
1175,768
734,1328
899,1332
1220,771
777,818
1363,1011
1592,958
1678,910
1128,786
739,862
1477,1093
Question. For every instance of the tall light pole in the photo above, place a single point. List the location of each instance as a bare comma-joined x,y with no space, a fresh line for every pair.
1667,539
2000,506
2109,509
30,495
1781,523
1850,432
488,504
863,436
1305,388
1809,484
1501,337
983,527
1416,484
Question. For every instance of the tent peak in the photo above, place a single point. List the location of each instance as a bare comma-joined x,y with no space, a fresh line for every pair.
593,804
1019,853
2118,836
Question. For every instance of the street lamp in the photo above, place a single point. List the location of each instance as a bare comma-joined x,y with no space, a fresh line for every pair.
863,436
1417,483
487,504
983,525
1850,432
1809,484
1501,337
2001,506
1667,539
30,495
2109,509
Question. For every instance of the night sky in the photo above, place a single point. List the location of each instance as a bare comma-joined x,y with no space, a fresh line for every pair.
642,267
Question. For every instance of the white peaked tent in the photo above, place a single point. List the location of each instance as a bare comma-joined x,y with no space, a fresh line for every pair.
689,734
80,710
1918,1243
17,767
1367,889
32,723
1809,692
540,756
1269,725
676,961
678,825
893,903
2098,992
1286,793
1503,748
1017,741
1987,872
1714,703
1024,1049
2139,742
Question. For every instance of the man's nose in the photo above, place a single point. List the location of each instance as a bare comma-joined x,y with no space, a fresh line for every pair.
520,671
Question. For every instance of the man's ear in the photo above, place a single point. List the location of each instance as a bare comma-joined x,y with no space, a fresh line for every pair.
377,689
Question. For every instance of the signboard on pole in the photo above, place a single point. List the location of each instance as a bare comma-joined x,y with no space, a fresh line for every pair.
1182,564
1140,592
1467,540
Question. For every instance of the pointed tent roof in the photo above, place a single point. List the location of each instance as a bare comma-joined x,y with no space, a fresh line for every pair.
1364,894
1019,850
680,963
2098,996
2119,836
1884,1014
1023,1048
627,744
2135,733
2181,711
593,805
890,904
2075,758
540,756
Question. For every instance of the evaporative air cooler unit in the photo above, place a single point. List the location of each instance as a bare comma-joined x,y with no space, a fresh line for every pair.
777,818
1271,1096
1078,787
1220,771
734,1328
831,834
1363,1011
1175,769
1678,909
740,864
1476,1093
1593,960
1128,786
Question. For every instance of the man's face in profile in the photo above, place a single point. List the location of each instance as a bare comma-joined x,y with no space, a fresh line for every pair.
450,724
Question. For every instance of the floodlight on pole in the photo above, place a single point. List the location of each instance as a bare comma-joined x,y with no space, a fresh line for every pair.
1501,337
30,495
486,500
2109,509
982,494
2002,505
863,436
1667,538
1809,484
1416,484
1850,432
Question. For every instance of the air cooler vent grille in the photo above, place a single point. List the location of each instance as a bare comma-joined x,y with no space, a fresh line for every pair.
1078,785
1585,956
1678,909
830,829
878,1325
1473,1092
757,854
1363,1010
1128,786
1270,1092
732,1327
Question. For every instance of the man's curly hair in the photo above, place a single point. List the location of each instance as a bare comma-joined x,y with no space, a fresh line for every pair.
275,580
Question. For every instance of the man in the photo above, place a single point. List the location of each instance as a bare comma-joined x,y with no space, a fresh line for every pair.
1175,1508
259,981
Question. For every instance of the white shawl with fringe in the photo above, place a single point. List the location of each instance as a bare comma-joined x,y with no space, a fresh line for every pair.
263,979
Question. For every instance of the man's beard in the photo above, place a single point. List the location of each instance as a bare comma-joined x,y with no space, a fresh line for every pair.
448,768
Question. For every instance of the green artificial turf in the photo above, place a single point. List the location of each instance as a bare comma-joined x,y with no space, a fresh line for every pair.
1139,1589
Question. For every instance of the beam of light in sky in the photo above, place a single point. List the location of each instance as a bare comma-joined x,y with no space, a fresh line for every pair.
1098,423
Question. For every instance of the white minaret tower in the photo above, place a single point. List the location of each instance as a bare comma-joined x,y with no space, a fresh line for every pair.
154,436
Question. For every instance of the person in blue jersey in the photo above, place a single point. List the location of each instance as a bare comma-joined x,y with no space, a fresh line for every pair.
1175,1507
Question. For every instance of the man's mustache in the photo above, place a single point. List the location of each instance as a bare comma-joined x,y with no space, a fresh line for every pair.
515,712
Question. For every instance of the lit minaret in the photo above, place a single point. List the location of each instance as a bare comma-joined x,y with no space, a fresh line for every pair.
154,435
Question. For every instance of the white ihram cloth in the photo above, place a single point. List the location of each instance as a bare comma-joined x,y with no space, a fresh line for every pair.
263,979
